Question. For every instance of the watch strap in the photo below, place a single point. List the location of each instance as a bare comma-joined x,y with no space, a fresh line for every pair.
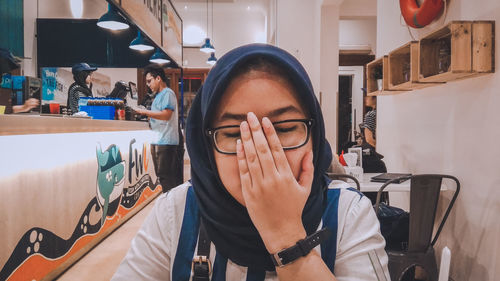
301,248
201,265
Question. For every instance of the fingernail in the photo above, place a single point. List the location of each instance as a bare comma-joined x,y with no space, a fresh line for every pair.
238,145
244,126
252,118
266,123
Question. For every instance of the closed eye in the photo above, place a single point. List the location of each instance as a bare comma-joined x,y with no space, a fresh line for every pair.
230,135
286,129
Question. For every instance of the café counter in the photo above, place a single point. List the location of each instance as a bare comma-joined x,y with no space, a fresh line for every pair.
66,183
20,124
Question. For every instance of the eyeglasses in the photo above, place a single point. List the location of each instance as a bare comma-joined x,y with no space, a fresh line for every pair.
292,134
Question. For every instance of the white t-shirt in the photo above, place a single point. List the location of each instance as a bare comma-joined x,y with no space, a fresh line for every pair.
153,250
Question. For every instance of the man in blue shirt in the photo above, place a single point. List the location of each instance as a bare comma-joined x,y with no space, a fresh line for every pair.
167,148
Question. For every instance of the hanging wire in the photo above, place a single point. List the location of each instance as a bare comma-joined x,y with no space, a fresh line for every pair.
212,21
207,18
445,11
407,26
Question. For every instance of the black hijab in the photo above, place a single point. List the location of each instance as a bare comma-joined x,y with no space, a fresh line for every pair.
227,221
80,78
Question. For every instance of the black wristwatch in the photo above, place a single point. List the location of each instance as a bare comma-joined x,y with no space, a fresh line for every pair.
302,248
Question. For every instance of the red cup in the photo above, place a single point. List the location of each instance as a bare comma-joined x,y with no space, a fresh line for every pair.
121,114
54,108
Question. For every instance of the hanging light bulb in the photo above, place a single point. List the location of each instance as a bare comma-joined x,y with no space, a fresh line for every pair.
140,43
159,57
112,20
212,59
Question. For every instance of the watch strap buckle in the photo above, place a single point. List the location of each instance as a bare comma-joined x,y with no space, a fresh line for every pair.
201,267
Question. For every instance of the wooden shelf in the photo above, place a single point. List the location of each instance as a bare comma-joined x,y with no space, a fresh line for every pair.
371,68
371,83
460,49
403,68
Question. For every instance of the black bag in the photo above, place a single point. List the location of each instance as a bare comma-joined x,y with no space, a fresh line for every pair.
395,227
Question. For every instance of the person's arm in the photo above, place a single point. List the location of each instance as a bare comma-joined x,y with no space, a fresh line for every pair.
164,115
149,257
359,236
275,199
27,106
369,137
166,101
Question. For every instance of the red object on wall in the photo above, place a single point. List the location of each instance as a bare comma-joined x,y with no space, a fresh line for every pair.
418,17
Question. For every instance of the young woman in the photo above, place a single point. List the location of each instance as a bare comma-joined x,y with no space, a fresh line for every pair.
256,139
82,87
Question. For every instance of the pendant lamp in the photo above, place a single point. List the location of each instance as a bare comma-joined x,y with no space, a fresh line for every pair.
208,47
212,59
112,20
140,43
159,57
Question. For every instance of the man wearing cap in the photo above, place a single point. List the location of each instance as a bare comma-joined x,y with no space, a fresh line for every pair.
82,87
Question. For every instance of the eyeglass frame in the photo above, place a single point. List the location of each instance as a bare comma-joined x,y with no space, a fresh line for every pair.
210,132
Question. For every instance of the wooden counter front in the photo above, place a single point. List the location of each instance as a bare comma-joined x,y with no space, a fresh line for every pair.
20,124
66,184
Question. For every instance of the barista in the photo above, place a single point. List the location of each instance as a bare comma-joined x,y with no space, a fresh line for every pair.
8,63
82,87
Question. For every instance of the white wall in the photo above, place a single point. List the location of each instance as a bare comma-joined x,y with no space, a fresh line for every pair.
234,25
358,32
451,129
329,69
116,74
358,9
92,9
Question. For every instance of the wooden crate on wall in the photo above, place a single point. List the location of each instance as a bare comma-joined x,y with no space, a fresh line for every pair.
372,89
457,50
403,68
483,47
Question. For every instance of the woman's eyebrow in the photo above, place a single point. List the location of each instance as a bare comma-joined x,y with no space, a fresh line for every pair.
283,110
272,114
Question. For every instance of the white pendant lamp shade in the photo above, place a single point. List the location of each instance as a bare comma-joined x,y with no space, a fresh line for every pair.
112,20
159,57
207,48
212,59
140,43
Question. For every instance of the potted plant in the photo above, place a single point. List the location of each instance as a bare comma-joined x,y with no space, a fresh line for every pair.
377,75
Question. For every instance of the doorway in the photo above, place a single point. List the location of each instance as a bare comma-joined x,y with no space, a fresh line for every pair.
344,136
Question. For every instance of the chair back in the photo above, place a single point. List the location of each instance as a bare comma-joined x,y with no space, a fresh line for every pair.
334,176
424,196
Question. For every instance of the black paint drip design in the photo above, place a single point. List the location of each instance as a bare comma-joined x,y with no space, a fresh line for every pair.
46,243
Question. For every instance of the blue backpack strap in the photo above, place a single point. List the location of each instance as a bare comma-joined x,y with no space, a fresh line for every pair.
330,220
186,245
220,265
